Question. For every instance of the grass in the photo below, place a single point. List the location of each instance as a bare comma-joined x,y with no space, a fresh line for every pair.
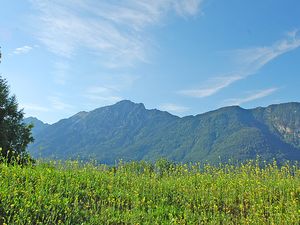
142,193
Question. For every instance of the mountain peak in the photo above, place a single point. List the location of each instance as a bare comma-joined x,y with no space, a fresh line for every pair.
38,125
33,120
81,114
128,103
125,101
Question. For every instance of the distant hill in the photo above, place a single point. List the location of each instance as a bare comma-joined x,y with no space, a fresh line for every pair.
128,131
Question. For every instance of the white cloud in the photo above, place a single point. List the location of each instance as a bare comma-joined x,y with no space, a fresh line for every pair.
58,104
173,108
248,62
213,86
103,94
100,90
108,89
253,96
34,107
253,59
105,99
115,31
187,8
60,72
22,50
293,33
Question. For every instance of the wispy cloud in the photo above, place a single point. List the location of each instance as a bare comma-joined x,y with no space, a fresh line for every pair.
214,85
173,108
109,89
107,99
248,62
22,50
187,8
113,30
253,96
253,59
34,107
61,70
58,104
103,94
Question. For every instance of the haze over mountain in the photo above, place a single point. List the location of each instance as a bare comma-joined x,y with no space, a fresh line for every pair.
128,131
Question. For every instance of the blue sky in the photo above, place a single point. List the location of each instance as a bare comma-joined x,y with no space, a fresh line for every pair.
183,56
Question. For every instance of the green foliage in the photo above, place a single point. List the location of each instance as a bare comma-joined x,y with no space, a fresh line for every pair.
128,131
15,135
138,193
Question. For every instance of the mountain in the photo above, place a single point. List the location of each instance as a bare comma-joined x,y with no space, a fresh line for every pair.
38,125
128,131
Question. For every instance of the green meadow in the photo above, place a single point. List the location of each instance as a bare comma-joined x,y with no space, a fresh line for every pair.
144,193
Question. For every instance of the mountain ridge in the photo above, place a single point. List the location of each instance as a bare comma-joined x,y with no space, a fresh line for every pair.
129,131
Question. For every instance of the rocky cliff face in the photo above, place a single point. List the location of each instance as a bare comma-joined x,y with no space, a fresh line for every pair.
285,120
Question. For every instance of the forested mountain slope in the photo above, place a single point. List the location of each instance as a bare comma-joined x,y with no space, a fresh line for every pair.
128,131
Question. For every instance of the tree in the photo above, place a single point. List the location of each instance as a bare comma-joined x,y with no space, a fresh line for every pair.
15,135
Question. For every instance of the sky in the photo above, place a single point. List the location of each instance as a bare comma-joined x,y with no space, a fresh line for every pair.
182,56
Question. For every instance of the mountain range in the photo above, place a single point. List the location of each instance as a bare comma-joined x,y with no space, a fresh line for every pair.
129,131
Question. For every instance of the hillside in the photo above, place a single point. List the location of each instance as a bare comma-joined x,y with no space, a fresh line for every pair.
128,131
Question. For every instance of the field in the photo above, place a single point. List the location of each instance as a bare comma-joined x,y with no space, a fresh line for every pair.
142,193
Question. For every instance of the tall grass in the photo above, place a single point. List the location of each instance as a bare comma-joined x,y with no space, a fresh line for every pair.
142,193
